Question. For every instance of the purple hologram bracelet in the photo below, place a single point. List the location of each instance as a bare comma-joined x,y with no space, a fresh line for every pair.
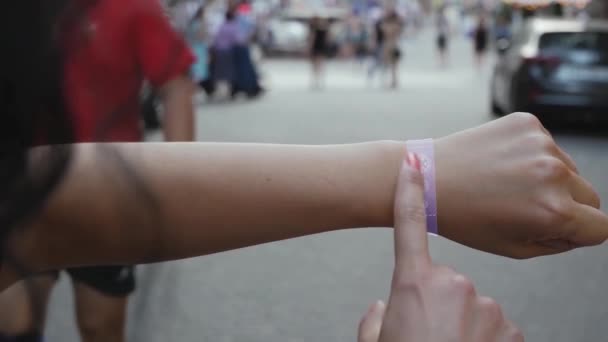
425,150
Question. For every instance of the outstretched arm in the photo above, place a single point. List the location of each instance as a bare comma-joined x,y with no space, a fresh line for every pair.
504,187
136,203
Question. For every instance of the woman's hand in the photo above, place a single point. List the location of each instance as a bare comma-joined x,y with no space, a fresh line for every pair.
429,303
507,188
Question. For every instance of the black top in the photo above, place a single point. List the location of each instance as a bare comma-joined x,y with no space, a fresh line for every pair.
481,38
319,39
379,33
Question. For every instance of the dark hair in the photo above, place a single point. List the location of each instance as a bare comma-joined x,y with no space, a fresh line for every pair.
33,107
33,112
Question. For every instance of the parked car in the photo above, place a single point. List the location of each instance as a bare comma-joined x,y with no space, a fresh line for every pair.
288,32
555,68
286,36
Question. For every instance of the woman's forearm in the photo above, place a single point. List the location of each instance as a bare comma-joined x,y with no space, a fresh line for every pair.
504,187
135,203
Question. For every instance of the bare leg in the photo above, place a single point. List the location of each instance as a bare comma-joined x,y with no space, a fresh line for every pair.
321,71
478,60
443,58
23,306
440,58
394,66
315,72
101,318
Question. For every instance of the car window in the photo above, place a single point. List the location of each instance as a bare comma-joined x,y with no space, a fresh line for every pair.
594,41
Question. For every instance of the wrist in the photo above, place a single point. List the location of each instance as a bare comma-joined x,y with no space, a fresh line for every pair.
377,205
425,151
445,187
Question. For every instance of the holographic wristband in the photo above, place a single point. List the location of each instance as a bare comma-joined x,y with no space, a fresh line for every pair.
425,151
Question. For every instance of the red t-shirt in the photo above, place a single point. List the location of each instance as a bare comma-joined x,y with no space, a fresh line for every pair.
122,43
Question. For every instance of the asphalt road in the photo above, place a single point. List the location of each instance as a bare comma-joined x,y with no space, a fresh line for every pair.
316,288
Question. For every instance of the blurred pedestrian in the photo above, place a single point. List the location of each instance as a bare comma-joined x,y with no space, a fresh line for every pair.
357,38
198,37
109,57
224,43
377,47
480,41
392,28
502,32
246,76
443,34
318,49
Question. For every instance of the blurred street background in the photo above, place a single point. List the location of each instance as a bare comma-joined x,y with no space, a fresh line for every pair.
317,288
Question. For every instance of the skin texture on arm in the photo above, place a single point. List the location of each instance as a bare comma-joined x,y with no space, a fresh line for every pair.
504,187
179,119
139,203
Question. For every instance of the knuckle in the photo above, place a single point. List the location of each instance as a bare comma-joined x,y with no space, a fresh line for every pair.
407,284
462,285
490,308
442,269
518,336
514,334
545,143
550,168
528,120
557,212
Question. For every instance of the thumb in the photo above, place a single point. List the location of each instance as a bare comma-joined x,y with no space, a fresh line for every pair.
371,323
411,242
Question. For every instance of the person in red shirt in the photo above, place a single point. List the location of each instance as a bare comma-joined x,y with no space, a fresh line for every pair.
110,48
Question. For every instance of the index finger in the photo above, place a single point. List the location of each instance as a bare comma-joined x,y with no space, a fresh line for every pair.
411,242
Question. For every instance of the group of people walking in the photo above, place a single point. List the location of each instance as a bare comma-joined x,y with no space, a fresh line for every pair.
479,33
380,41
224,56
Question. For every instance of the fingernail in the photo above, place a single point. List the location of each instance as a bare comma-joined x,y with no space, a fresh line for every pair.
413,160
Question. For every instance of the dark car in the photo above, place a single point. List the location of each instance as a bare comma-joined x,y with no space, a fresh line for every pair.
554,68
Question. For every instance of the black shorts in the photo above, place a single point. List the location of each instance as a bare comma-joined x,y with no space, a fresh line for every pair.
361,50
319,51
396,54
480,46
113,281
442,42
